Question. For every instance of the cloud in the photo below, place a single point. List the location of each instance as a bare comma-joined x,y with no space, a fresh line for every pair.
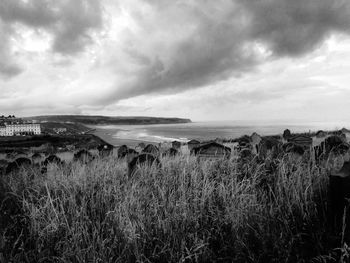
8,68
77,19
37,13
294,28
69,22
182,45
188,46
106,53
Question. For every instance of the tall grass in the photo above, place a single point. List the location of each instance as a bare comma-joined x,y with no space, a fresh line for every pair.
187,211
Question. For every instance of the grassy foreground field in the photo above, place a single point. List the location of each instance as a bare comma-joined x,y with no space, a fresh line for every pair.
221,211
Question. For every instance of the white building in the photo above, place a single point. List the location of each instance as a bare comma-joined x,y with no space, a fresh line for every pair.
2,130
20,129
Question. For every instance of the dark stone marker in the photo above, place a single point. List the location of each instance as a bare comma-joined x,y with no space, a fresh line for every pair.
339,192
171,152
293,148
152,149
14,226
17,164
142,159
286,134
122,151
84,156
105,150
52,159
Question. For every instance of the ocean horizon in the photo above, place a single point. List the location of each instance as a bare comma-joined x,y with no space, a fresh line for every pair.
156,133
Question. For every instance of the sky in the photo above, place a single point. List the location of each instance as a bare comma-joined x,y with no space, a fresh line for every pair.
265,60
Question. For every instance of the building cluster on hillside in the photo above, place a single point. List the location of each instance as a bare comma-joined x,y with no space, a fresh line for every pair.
12,126
60,130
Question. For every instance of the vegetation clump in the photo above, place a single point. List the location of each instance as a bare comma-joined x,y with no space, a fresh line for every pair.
185,211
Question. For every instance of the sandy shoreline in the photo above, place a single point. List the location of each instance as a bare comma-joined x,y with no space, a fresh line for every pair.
107,136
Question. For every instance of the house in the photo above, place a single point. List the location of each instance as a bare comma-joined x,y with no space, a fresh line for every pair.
14,129
176,144
192,144
12,126
2,130
302,140
211,150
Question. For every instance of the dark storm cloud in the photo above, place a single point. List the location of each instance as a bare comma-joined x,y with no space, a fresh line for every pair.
210,53
293,28
225,36
70,22
78,19
36,13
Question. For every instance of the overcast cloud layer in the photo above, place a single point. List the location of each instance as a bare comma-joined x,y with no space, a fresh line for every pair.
132,57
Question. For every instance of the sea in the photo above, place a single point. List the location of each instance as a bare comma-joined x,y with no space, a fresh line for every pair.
134,134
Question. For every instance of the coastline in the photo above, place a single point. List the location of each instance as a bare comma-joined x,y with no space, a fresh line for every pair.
132,135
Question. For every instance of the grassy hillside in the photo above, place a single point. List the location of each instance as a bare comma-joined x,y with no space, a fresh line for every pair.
72,128
105,120
221,211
